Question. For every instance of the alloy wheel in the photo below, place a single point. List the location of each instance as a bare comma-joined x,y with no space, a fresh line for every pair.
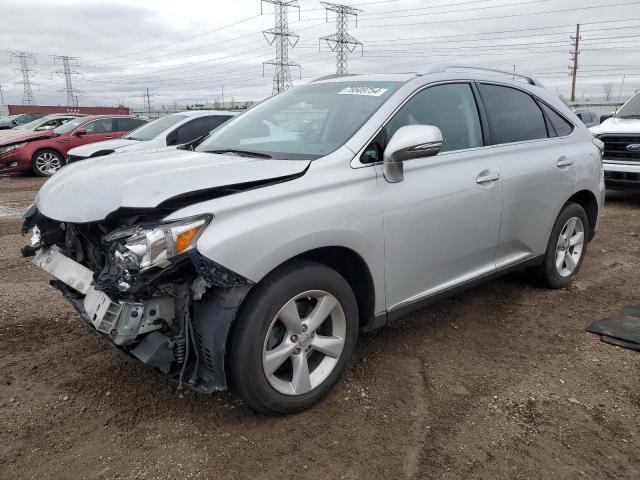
569,247
304,342
48,163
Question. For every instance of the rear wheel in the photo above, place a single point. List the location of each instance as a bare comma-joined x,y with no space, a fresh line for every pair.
566,248
46,162
293,338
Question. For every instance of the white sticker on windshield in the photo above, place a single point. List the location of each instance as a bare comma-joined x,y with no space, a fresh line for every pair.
369,91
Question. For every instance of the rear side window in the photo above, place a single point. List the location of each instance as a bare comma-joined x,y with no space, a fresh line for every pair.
128,124
199,127
559,126
514,116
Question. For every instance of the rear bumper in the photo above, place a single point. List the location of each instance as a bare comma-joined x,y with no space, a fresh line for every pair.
621,176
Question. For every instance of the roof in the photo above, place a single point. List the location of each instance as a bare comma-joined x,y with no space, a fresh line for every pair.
201,113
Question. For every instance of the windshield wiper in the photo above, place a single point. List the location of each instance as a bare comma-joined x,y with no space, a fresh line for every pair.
241,153
629,116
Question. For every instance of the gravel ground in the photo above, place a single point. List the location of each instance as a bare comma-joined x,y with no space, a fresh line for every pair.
501,382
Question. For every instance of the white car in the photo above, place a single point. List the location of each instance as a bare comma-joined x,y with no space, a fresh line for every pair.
42,124
621,137
174,129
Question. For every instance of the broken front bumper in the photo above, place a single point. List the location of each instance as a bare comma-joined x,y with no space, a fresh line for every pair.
122,322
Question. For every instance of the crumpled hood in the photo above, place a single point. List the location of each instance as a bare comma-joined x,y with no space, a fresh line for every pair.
117,144
617,125
24,135
89,190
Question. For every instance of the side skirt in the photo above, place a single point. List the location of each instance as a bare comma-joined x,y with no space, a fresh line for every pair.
380,320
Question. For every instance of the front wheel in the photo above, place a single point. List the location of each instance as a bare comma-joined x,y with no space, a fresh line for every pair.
567,247
46,162
293,338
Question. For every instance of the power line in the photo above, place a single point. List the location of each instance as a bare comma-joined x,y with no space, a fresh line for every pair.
283,38
27,90
341,42
68,74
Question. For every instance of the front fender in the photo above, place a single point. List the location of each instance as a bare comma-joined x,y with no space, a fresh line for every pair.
256,231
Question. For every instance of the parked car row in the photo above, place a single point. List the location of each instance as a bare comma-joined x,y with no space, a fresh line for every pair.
12,121
45,145
254,259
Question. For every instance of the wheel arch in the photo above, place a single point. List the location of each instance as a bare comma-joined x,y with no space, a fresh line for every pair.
40,149
355,271
587,200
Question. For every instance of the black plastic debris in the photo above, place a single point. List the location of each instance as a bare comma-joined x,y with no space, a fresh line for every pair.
621,329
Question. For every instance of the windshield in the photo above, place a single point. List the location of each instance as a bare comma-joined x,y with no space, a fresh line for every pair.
303,123
151,130
631,109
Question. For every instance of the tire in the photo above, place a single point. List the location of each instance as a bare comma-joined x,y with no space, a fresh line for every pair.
46,162
275,336
562,260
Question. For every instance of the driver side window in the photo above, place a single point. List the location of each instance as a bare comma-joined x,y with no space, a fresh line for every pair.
450,107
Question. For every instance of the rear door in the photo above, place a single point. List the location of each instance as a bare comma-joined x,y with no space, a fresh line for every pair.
538,165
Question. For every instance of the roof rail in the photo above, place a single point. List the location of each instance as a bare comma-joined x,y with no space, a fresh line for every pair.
443,67
334,75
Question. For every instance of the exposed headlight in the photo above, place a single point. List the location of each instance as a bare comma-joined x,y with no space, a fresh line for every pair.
145,246
11,148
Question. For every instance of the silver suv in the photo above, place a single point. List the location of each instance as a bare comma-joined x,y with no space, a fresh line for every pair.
332,208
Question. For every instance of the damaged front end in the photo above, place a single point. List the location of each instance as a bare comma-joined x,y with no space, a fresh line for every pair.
141,282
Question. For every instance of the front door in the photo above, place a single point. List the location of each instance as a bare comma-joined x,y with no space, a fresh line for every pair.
96,131
442,221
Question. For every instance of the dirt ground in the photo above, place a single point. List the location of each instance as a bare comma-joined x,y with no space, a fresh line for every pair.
501,382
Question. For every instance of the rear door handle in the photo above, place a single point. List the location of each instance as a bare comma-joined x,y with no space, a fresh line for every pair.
108,136
564,162
486,176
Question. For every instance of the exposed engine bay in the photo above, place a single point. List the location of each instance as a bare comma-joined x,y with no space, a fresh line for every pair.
141,283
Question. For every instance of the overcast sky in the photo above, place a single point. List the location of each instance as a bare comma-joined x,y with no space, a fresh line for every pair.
184,51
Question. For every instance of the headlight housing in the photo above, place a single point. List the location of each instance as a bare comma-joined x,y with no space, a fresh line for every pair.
11,148
144,246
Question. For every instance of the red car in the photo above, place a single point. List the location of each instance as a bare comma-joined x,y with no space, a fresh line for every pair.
44,152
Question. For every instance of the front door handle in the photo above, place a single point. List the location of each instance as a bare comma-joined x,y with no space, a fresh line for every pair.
564,162
108,136
486,176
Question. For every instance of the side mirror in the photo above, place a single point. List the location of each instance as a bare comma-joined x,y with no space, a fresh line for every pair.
80,132
409,142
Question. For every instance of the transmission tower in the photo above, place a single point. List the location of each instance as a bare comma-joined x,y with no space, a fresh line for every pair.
68,74
27,86
282,38
341,42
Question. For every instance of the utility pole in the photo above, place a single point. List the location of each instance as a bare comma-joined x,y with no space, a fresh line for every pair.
147,100
573,69
341,42
222,87
1,96
68,74
27,90
282,38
